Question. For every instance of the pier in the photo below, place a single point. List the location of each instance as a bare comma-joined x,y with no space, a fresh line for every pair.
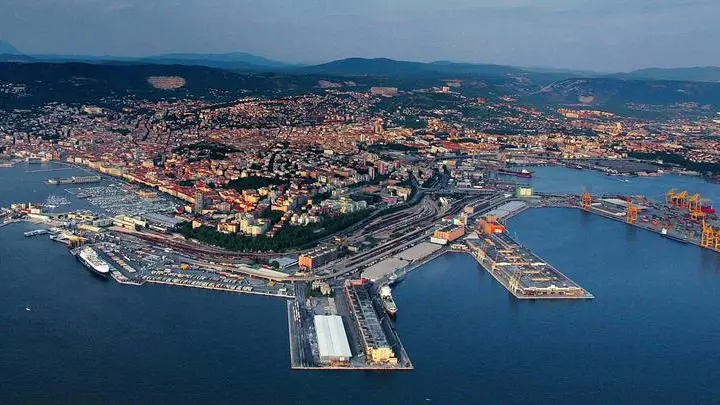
520,271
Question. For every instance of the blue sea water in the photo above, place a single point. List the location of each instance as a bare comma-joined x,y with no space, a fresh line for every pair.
650,335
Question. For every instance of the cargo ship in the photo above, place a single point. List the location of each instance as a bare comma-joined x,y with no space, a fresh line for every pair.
387,300
665,233
524,173
93,262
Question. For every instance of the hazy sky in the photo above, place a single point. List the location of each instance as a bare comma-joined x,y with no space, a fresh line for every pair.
607,35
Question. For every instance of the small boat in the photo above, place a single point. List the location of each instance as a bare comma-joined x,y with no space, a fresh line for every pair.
665,234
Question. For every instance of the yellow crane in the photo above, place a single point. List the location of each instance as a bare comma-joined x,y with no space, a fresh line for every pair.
670,197
709,236
695,207
681,199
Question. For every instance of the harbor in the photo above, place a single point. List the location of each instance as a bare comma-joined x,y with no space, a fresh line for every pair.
350,329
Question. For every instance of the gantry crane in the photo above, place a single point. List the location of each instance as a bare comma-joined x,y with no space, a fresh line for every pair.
632,213
670,197
681,199
586,201
709,236
695,207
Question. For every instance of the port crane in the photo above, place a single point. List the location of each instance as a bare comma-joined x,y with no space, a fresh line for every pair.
632,212
670,197
710,236
586,201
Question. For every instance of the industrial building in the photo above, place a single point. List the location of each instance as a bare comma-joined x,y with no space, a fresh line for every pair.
447,234
318,257
374,341
332,340
490,225
507,210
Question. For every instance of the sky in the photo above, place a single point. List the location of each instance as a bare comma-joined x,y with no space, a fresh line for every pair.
600,35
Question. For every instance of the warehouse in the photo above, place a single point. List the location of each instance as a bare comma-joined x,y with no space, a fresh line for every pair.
332,340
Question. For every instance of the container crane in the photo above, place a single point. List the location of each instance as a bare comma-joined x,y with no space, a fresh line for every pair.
681,199
670,197
632,213
586,201
709,236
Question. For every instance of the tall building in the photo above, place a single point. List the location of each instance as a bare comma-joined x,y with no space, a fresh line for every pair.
199,202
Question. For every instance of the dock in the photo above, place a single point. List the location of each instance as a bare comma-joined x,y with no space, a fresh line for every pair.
362,327
522,272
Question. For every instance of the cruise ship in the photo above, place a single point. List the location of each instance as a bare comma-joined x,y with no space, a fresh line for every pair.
93,262
387,300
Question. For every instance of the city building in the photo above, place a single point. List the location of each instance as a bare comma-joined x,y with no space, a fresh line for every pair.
199,204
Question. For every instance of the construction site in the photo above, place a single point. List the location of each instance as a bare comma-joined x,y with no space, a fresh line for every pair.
682,217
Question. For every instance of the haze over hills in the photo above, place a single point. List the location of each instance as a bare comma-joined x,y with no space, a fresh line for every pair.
355,66
7,49
698,74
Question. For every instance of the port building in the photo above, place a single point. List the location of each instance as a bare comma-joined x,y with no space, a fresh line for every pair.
332,340
318,257
447,234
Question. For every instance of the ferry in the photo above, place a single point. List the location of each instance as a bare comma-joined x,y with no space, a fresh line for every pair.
524,173
387,300
573,166
93,262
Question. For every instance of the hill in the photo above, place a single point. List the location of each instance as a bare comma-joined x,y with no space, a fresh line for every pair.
390,67
233,57
612,92
7,49
108,84
697,74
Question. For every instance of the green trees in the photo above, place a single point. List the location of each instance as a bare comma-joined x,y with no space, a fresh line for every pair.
288,238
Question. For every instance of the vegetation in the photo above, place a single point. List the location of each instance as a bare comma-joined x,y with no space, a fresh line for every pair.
391,146
254,182
205,150
288,238
675,159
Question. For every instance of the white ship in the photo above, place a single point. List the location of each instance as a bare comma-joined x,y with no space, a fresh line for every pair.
388,301
93,262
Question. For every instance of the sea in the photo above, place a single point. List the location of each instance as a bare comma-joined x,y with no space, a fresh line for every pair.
651,335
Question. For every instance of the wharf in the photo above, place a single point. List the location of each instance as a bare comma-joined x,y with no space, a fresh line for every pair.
621,217
304,341
238,289
521,272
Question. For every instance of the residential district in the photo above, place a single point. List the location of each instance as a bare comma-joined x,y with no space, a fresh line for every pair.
329,199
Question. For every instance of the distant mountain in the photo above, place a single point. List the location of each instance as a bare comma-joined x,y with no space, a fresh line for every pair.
7,49
390,67
233,57
695,74
619,92
237,61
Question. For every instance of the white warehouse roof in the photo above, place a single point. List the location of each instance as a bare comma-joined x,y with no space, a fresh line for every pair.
332,340
507,209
